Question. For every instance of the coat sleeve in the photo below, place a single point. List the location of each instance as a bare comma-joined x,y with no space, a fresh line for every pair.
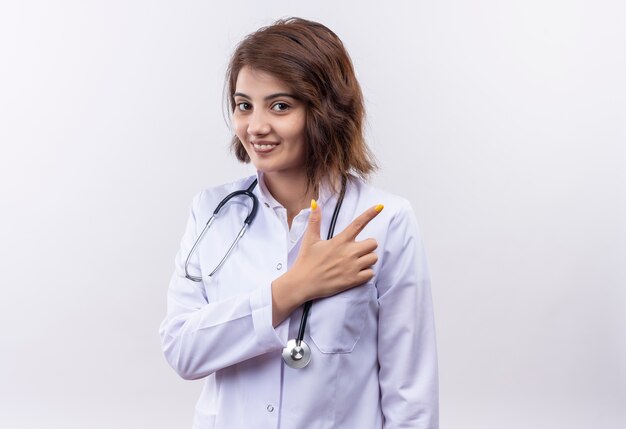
407,351
200,337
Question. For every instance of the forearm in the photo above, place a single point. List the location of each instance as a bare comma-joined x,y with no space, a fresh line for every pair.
286,297
199,340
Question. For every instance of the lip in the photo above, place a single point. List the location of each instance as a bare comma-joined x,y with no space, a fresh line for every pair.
263,146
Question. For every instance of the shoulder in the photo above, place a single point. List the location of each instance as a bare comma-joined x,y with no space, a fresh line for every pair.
396,226
396,206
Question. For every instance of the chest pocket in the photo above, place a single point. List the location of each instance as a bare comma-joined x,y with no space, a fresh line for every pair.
337,322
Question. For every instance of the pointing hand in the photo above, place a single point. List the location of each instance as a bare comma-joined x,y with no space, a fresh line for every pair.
326,267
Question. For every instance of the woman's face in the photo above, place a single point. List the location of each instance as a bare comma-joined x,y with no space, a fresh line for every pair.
270,122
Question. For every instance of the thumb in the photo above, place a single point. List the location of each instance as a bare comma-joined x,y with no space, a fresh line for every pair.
312,233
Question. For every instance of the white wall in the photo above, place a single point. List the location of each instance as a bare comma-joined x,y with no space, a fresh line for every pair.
502,122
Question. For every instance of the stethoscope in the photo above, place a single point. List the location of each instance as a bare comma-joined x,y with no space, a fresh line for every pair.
297,354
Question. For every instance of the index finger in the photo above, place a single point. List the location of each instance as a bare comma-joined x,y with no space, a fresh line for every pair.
357,225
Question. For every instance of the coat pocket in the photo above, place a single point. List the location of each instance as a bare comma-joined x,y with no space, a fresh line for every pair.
336,322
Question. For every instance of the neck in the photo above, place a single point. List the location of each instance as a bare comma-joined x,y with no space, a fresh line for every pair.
290,190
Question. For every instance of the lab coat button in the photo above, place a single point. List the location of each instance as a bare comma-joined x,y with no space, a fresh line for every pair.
270,408
279,266
266,205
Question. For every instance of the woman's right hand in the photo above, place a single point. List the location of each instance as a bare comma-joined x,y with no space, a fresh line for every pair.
325,267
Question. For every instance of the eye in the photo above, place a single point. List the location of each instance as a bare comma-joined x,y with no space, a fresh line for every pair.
244,106
280,107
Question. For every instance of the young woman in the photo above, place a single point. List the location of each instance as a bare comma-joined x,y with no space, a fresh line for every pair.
295,329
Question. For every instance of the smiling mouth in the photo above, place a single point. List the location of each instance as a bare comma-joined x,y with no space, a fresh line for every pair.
264,147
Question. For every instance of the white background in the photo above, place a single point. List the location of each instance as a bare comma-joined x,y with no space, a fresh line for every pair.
502,121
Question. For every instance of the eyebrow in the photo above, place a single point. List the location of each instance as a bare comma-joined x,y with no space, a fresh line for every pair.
269,97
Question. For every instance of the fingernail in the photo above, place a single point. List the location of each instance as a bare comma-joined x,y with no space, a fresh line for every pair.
379,208
313,204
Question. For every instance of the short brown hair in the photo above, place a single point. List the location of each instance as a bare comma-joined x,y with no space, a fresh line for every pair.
313,62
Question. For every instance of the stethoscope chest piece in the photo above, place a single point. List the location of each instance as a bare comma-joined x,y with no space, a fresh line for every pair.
297,356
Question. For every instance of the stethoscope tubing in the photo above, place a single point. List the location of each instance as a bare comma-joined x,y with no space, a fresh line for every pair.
248,220
297,354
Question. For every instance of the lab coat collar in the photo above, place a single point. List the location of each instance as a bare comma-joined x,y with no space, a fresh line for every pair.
264,195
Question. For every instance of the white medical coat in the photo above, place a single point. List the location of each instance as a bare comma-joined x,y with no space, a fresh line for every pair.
374,362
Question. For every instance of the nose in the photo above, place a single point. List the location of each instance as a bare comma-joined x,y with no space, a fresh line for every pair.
258,124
